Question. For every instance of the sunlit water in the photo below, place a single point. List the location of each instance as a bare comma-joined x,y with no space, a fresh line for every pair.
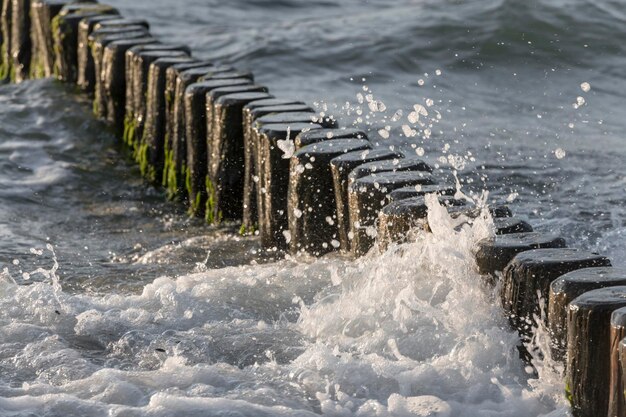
114,303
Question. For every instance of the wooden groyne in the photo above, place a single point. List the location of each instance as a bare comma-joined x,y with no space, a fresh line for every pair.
230,150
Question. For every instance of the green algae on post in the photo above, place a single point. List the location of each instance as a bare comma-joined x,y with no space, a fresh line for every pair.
226,154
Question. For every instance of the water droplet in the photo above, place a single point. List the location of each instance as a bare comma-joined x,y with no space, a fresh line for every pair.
559,153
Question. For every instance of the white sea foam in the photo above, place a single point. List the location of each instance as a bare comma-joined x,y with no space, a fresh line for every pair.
408,332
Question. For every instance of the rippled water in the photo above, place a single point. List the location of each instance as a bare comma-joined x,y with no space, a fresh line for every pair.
136,310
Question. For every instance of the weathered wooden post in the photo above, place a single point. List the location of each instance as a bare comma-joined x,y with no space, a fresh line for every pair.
196,140
526,281
272,190
103,25
110,85
494,254
251,112
341,168
5,52
176,148
65,34
141,58
397,219
312,209
617,394
42,12
321,135
213,212
565,289
21,45
98,41
227,154
172,179
151,154
419,191
367,196
589,350
349,167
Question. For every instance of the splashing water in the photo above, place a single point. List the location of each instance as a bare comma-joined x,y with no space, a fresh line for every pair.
411,331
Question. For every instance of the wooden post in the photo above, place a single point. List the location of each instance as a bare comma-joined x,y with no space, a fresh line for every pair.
21,46
227,154
176,161
196,140
494,254
250,217
42,12
140,67
379,160
589,350
568,287
214,211
367,196
274,181
100,23
420,190
527,278
151,155
320,135
397,220
110,85
65,35
312,209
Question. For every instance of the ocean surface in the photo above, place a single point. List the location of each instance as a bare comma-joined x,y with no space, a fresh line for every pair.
114,303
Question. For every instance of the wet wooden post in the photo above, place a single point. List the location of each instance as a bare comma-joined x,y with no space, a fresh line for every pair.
176,148
341,167
526,281
350,167
565,289
620,396
226,151
196,140
494,254
589,350
419,191
98,41
21,45
510,225
213,211
367,196
617,394
274,180
399,218
110,84
139,67
102,25
276,241
6,59
312,209
83,53
65,35
172,180
151,156
321,135
251,112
